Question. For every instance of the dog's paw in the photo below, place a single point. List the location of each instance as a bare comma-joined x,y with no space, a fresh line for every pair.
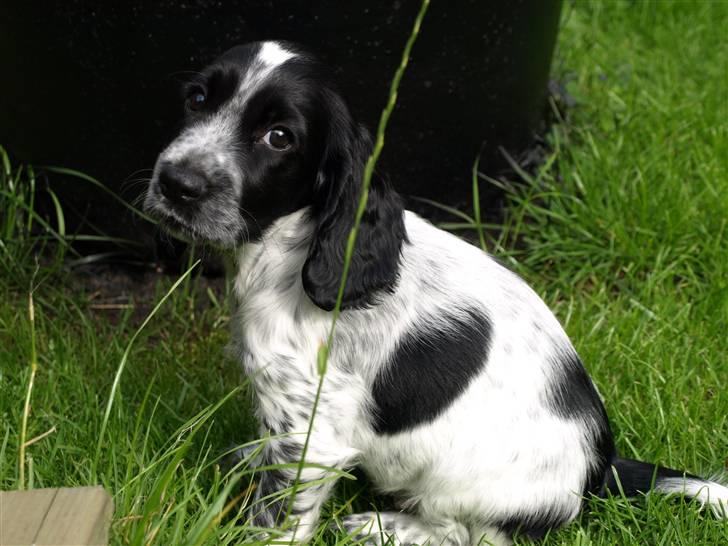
402,529
371,528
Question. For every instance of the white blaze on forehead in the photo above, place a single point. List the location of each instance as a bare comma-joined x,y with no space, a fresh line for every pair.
272,54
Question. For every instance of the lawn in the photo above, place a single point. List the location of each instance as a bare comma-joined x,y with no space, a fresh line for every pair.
624,232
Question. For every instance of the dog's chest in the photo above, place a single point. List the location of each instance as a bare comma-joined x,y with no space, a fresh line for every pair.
279,357
278,345
274,335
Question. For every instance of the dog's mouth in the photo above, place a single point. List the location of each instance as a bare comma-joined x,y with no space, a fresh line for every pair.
199,227
196,206
169,221
179,229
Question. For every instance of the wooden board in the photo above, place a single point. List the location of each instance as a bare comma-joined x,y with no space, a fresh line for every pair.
78,516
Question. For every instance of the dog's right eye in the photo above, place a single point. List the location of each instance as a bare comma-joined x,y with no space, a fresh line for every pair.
279,138
196,99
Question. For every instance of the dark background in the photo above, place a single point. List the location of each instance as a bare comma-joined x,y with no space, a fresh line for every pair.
95,87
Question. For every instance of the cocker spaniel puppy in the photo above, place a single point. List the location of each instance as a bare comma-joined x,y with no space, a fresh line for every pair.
449,380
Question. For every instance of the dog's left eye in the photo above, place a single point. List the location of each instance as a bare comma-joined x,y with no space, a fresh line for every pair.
278,138
196,99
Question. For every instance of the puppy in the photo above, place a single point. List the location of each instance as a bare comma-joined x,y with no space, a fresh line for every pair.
449,380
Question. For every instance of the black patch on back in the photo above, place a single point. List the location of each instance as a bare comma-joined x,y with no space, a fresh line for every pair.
429,369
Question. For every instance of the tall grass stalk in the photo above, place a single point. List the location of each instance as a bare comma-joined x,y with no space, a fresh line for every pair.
31,381
371,163
325,348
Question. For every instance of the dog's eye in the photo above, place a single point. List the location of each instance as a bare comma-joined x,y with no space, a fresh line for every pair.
196,99
278,138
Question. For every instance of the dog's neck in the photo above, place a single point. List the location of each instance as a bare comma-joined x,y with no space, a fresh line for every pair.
279,253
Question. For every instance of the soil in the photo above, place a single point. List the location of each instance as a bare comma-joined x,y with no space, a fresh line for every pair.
113,290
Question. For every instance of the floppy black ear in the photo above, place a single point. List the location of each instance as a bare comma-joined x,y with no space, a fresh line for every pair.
375,262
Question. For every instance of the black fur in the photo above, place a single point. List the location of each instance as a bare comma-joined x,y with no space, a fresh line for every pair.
271,511
268,508
375,262
571,392
636,477
429,369
572,396
534,525
218,84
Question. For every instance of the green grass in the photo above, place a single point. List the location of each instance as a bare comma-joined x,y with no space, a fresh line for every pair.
624,233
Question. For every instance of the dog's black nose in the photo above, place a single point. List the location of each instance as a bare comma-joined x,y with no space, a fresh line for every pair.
181,185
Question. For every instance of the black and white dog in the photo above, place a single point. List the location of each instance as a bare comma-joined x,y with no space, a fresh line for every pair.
449,381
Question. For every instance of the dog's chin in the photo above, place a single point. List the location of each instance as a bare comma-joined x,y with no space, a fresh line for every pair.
195,234
179,230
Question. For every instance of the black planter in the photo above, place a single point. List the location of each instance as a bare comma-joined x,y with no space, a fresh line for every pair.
93,86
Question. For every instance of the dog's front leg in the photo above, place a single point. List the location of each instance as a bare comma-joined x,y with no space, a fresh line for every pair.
289,495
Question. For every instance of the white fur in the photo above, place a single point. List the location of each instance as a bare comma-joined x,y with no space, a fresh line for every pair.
273,54
711,493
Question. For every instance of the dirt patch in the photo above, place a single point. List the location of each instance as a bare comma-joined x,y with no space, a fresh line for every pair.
112,291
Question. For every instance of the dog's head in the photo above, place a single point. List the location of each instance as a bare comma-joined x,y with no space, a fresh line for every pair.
266,134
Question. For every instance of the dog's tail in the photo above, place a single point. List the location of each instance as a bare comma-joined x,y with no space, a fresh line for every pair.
632,477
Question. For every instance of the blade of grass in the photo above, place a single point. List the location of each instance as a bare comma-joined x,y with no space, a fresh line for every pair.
31,192
60,218
124,358
476,205
7,169
442,206
153,516
214,513
373,159
324,349
91,180
46,226
26,406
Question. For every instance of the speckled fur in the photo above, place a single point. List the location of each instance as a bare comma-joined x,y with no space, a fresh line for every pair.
498,450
